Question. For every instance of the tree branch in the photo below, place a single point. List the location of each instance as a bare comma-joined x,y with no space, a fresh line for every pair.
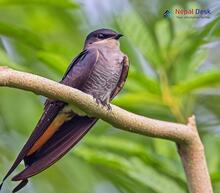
186,136
194,162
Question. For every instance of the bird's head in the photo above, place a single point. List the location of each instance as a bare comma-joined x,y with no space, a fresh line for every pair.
100,35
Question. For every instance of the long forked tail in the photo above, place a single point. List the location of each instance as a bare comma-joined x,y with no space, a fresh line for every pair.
55,148
13,167
18,187
51,111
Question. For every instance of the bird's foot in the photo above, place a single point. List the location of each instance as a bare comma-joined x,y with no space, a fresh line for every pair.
98,101
104,103
109,108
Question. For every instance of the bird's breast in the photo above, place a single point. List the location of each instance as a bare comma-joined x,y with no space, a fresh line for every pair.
105,74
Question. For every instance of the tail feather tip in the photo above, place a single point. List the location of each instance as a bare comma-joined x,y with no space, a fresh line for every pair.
1,186
20,185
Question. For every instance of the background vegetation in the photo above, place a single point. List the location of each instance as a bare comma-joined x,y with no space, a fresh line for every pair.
175,71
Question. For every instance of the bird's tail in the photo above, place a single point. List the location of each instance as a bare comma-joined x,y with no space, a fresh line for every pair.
55,148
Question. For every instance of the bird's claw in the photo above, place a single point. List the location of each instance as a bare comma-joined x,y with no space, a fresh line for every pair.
98,101
109,108
103,104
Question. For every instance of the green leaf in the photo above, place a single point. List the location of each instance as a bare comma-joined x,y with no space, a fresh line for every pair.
6,61
20,114
53,60
150,177
21,35
57,3
162,30
211,29
127,148
204,80
146,82
211,144
133,168
142,37
138,98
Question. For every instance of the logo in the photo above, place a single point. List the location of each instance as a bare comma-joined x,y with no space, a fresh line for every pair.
187,13
192,11
167,13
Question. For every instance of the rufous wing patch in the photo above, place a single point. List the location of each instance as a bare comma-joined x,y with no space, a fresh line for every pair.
53,127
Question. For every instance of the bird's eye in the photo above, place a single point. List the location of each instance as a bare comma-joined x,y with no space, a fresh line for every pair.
100,36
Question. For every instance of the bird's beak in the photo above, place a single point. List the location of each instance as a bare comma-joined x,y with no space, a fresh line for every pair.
118,36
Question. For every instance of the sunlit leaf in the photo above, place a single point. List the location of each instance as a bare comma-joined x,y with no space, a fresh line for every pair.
22,35
203,80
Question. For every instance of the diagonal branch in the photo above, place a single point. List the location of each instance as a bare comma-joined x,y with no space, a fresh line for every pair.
186,136
117,117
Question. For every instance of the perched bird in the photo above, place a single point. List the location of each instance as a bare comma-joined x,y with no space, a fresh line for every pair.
99,70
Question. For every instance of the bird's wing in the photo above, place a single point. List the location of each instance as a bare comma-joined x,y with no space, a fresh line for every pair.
123,77
75,76
57,146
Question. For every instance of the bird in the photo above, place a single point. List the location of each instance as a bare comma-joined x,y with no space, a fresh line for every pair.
100,70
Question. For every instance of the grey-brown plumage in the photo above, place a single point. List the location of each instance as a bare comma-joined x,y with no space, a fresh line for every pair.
99,70
106,72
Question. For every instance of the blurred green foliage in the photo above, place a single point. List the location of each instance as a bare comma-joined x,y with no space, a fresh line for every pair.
174,73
